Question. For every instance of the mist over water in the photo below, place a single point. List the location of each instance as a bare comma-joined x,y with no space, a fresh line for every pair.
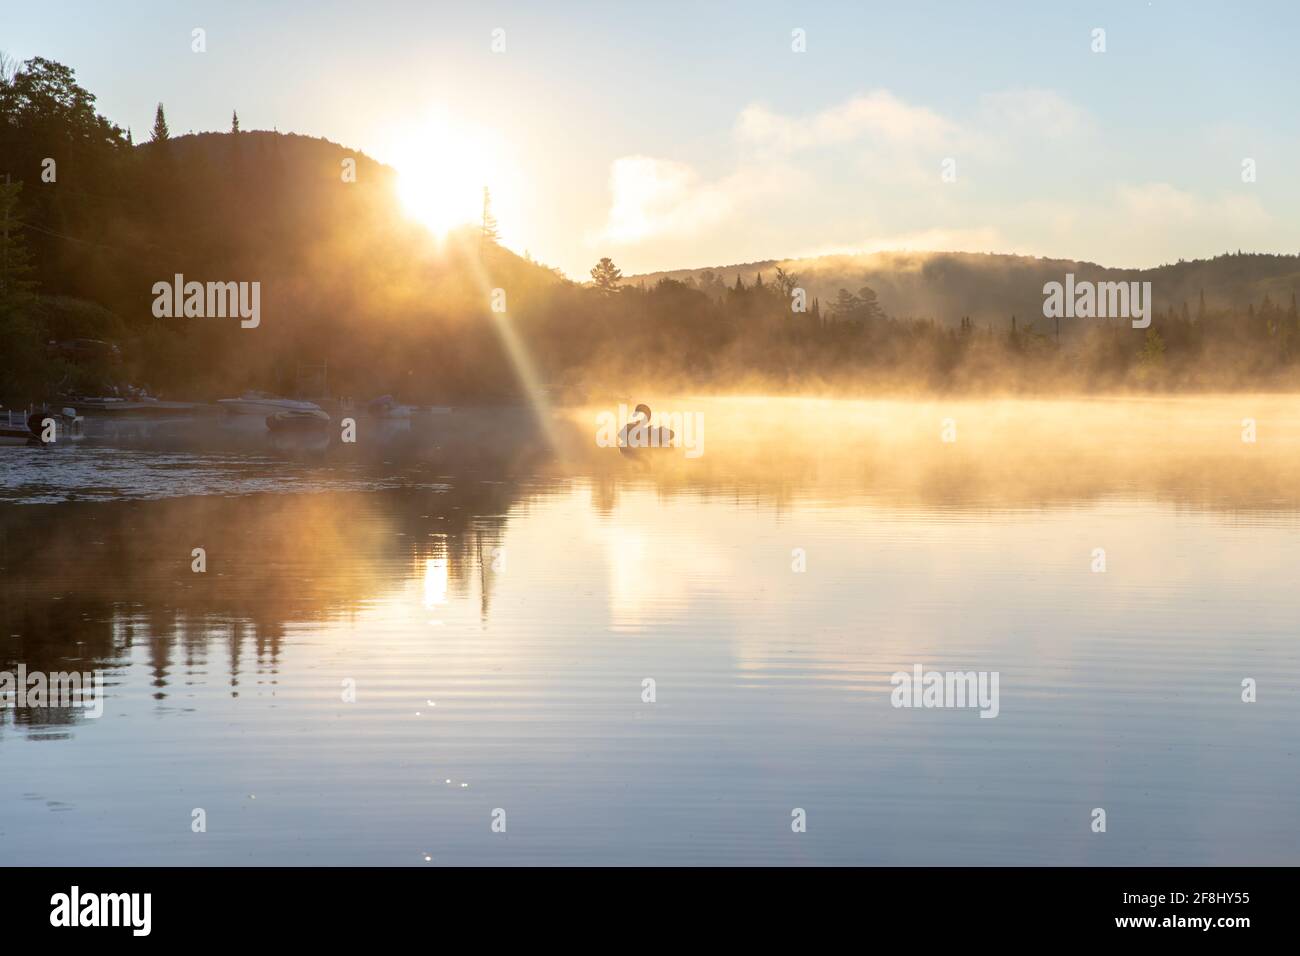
499,601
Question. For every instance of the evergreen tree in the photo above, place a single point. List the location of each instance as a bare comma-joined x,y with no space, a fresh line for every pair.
488,233
160,132
870,307
606,275
846,304
234,121
1153,350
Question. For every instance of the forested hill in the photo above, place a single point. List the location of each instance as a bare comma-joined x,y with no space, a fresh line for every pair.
345,277
947,286
92,221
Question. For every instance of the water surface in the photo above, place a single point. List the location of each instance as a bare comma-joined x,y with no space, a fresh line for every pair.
497,604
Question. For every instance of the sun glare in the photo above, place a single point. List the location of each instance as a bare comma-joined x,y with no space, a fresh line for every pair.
443,167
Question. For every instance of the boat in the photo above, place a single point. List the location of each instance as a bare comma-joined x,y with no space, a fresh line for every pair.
14,429
143,407
22,428
387,407
297,420
263,403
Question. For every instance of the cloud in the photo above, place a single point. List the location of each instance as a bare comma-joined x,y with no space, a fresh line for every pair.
871,164
878,116
1160,204
1136,225
1036,113
653,197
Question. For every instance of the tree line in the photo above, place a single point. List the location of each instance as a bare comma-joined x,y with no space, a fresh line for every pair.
350,283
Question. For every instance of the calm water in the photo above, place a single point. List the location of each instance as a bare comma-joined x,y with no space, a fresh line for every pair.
498,603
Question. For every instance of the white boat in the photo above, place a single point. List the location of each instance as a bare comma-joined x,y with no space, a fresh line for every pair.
144,407
297,420
261,403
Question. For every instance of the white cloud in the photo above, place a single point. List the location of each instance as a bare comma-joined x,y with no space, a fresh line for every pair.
878,116
1163,205
870,164
1036,113
660,197
655,197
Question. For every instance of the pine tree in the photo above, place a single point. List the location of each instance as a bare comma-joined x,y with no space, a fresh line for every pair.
870,310
606,275
234,121
846,305
160,132
489,233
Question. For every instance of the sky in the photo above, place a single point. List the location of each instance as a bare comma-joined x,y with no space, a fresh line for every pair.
680,135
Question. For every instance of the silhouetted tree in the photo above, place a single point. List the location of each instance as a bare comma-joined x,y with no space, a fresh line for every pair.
606,275
785,282
488,233
160,132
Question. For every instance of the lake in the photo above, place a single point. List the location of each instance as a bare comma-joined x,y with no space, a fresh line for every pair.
486,640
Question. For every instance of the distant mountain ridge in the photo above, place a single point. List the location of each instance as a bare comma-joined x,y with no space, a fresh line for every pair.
992,287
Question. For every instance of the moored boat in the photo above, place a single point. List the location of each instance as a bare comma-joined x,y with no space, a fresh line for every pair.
262,403
297,420
41,427
15,432
145,407
387,407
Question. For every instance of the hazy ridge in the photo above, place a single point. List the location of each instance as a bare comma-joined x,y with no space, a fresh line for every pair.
991,287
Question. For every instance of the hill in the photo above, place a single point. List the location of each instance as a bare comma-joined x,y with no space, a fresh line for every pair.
989,288
344,277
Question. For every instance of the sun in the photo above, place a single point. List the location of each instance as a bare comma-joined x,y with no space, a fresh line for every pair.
443,166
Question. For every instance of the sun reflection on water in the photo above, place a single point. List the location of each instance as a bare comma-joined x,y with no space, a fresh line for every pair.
435,582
